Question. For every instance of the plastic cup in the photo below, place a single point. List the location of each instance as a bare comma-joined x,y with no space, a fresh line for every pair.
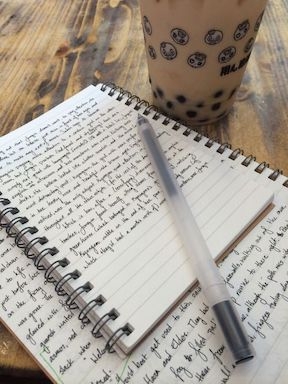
197,52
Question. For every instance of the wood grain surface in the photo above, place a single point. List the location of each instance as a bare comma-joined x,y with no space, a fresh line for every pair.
51,49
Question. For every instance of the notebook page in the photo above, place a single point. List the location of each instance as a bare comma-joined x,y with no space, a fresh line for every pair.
42,323
169,353
187,342
58,203
187,347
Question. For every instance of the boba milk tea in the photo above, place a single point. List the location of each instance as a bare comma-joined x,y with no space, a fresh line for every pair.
197,52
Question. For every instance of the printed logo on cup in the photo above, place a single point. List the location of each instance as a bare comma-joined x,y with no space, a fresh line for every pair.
179,36
213,37
227,54
241,30
168,51
197,60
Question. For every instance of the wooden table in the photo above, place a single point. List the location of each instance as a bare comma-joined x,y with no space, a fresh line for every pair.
50,49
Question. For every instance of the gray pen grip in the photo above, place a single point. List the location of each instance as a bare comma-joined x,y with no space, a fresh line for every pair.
235,334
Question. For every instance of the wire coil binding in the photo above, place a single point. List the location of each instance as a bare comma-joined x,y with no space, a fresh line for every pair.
36,240
41,255
149,108
126,330
64,279
56,264
83,315
10,227
112,315
72,297
19,241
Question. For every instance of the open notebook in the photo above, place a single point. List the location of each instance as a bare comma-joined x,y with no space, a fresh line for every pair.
80,198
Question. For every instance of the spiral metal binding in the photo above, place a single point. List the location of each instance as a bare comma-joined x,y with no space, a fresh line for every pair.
29,246
237,152
70,302
166,121
123,93
56,264
149,108
19,241
15,229
41,255
285,184
126,330
112,88
198,137
223,147
64,279
275,174
152,108
210,142
131,99
36,240
4,201
13,223
248,160
176,126
4,211
83,315
111,315
140,104
104,86
261,167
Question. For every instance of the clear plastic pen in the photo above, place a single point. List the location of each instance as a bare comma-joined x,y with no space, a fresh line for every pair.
208,275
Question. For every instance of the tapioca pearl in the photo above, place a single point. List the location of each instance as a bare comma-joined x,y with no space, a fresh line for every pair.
191,114
218,94
160,93
181,99
200,105
169,104
216,107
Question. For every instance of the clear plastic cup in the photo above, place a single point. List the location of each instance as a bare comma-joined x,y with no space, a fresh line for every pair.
197,52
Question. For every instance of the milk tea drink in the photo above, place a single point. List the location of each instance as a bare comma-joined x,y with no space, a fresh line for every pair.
197,52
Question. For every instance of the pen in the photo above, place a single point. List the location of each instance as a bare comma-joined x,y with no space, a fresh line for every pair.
208,275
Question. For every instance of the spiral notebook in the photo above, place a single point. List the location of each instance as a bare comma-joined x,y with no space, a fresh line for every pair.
80,199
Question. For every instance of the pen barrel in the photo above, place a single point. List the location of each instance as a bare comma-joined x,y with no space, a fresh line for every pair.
211,281
196,248
214,288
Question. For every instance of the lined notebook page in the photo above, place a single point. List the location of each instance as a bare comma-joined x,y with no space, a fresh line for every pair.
88,186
